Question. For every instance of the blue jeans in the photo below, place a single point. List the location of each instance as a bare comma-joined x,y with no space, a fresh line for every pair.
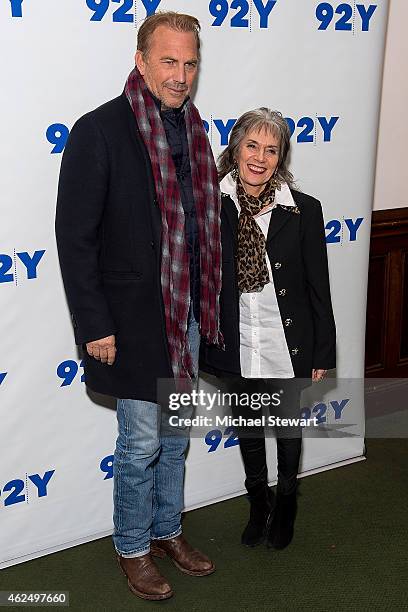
148,472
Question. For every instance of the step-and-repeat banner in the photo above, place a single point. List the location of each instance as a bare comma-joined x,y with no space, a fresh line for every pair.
320,63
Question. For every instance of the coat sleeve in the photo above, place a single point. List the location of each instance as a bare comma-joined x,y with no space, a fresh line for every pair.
81,197
314,253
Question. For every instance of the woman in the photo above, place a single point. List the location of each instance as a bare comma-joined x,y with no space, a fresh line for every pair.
276,312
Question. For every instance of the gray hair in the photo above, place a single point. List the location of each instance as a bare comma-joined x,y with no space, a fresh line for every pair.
258,119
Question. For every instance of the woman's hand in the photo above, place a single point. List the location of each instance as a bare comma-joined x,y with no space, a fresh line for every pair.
318,375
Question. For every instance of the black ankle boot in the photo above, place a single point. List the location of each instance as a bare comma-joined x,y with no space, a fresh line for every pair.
280,529
261,499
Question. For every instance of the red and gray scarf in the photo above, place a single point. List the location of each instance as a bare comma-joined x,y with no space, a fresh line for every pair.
175,274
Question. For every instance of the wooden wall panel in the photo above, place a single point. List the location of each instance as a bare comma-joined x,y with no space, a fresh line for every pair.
387,298
404,322
378,280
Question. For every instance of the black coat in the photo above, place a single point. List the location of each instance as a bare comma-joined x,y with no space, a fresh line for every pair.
108,228
296,248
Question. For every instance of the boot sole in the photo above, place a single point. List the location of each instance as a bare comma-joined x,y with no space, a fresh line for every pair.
161,554
147,595
141,594
258,542
278,547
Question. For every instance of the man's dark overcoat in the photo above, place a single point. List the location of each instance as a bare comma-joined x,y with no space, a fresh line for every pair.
108,228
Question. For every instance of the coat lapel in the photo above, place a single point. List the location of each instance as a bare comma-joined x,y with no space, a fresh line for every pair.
232,216
279,218
154,209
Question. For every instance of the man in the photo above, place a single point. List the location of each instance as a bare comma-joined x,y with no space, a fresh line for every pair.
139,246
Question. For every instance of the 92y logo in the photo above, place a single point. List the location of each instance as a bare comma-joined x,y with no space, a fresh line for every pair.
308,128
303,130
124,13
15,488
67,370
321,411
215,436
57,135
343,231
241,13
16,8
345,17
29,265
106,467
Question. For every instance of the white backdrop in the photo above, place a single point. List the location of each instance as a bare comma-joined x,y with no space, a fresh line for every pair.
320,64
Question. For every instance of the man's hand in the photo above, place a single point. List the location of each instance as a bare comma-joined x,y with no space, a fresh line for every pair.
103,350
318,375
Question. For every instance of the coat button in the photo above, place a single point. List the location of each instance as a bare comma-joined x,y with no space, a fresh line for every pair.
152,244
278,265
294,351
282,292
288,322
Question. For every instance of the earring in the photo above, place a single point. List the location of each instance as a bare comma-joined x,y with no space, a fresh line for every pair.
234,172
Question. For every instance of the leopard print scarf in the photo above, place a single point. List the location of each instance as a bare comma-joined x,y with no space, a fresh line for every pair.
252,270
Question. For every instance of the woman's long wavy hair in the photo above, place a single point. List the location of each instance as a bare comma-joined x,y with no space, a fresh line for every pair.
258,119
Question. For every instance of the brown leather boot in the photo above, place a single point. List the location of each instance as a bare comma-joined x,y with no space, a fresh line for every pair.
188,560
144,578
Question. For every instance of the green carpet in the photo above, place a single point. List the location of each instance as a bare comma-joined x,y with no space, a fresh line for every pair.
349,552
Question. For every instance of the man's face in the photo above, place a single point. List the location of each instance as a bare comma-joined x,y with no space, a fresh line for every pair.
170,66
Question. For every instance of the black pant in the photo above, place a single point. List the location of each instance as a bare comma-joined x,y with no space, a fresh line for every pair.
252,438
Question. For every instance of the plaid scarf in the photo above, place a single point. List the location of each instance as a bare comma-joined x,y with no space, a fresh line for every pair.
252,270
175,273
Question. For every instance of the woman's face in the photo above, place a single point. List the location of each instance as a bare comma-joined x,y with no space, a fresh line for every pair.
258,156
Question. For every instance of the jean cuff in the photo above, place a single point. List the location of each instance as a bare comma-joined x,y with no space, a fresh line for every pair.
137,553
174,534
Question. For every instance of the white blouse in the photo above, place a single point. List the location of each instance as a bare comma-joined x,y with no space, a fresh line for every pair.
263,349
